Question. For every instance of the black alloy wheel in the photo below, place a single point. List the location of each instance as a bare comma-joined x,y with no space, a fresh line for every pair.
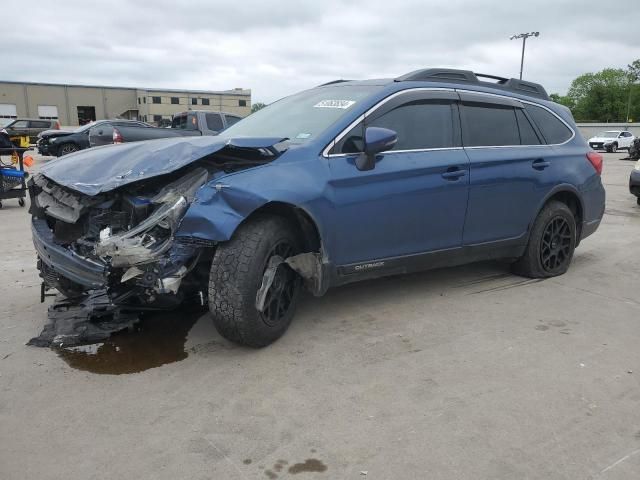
555,248
283,289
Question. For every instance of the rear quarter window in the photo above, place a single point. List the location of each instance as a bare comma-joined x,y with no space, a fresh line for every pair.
553,130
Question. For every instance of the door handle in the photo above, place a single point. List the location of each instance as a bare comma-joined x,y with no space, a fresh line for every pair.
453,173
540,164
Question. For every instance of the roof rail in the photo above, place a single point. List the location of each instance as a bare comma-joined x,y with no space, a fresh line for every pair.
451,75
332,82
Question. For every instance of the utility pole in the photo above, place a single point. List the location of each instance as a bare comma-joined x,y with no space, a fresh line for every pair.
631,84
524,37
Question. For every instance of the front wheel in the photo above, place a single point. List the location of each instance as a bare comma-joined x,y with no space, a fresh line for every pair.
67,148
551,243
237,272
613,148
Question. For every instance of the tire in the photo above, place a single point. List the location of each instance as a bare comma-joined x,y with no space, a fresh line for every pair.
551,243
613,148
236,274
67,148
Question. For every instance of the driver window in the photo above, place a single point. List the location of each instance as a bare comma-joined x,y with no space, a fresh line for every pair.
420,125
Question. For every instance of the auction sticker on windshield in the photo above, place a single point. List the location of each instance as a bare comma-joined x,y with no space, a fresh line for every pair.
334,104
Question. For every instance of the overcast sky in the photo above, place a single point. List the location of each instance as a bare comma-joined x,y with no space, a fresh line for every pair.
279,47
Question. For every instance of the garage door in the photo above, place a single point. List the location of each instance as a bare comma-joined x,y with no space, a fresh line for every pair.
48,111
8,111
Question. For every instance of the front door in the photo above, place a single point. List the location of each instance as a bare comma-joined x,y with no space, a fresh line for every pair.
415,198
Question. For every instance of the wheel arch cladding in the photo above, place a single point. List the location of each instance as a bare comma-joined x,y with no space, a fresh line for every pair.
571,198
218,212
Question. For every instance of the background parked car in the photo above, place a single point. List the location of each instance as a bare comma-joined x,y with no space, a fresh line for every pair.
186,124
31,127
634,181
61,142
207,123
612,140
109,133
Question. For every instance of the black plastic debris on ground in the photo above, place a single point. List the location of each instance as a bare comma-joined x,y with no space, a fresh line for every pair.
83,320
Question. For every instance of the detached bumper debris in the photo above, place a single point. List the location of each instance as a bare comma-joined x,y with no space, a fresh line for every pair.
80,321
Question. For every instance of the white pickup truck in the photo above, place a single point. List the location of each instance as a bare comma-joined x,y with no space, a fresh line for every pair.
612,140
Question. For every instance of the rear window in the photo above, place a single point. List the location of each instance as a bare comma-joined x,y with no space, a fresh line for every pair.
553,130
489,125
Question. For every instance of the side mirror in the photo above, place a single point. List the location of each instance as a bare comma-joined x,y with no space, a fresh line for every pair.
376,140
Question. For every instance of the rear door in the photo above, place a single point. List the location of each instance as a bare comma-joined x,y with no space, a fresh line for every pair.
511,170
101,134
415,198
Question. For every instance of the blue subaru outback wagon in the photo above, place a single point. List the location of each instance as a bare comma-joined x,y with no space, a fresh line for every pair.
347,181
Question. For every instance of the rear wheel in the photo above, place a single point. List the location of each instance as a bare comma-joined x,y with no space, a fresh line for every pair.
551,243
67,148
237,271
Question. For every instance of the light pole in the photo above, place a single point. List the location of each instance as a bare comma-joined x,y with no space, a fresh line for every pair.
524,37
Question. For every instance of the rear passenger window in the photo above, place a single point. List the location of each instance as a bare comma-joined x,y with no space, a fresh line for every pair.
214,122
489,125
36,124
552,129
420,125
528,135
231,120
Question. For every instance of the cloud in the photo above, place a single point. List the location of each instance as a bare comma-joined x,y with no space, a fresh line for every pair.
277,48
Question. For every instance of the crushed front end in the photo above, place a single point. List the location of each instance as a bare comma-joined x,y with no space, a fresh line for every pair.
121,241
104,224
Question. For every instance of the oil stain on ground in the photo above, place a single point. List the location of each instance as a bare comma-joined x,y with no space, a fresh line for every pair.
159,338
310,465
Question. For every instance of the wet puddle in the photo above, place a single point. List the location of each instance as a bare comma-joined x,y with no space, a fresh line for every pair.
158,339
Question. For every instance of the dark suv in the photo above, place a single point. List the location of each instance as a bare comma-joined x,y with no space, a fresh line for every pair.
31,127
347,181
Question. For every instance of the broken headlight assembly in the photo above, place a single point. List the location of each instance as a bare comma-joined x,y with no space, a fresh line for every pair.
153,236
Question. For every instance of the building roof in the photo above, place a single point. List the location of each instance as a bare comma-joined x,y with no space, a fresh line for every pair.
235,91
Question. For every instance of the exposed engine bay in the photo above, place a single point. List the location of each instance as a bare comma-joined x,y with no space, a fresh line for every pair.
129,231
120,245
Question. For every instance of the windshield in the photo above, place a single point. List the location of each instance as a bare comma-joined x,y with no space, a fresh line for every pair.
608,134
85,127
303,116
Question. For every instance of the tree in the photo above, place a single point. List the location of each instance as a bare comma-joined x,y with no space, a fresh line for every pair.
257,106
562,100
605,96
600,97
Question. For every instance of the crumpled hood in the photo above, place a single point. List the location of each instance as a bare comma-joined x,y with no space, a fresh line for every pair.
55,133
103,169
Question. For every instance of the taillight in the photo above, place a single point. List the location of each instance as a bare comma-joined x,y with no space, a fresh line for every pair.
117,137
596,160
56,126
